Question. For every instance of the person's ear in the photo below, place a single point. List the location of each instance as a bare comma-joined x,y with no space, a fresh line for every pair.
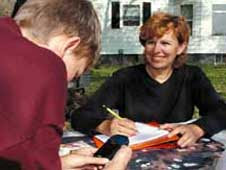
181,48
70,44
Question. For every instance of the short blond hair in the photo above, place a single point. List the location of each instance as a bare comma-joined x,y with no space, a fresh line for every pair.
158,24
44,18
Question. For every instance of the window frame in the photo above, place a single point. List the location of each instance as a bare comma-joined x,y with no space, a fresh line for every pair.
115,18
214,17
118,19
134,20
190,21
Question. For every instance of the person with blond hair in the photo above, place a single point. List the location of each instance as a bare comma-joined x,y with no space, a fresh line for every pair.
47,44
163,89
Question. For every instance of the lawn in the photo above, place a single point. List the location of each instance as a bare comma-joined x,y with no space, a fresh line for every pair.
98,76
216,74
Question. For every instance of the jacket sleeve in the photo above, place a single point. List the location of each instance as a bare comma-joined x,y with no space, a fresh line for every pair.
212,107
88,117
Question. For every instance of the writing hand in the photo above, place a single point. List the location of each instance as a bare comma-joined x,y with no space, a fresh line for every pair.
117,126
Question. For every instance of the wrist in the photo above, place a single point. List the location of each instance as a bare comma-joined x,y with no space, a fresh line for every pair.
198,130
104,127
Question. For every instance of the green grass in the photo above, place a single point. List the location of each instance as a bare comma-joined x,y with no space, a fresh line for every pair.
99,75
216,74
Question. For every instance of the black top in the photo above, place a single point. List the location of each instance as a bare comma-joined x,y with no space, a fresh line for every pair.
140,98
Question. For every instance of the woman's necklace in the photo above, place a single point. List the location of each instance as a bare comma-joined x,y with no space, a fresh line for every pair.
160,77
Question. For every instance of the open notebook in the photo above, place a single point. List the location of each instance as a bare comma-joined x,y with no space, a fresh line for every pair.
147,136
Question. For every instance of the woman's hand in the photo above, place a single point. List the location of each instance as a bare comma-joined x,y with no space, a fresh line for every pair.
190,133
117,126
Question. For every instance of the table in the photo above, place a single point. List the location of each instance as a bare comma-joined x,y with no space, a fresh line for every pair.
204,155
207,154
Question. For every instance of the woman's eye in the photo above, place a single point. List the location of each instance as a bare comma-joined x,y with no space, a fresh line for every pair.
165,43
149,42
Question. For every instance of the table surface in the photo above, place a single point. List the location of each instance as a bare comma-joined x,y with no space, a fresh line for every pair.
203,155
207,154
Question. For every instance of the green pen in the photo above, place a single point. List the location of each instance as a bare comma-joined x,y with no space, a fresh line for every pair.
112,112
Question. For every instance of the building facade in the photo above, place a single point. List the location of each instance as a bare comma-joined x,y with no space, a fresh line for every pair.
121,20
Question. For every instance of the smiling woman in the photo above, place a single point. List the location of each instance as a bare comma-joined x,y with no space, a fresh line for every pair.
164,89
171,31
165,39
160,55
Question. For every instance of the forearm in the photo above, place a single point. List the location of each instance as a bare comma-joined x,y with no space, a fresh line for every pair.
211,106
85,123
211,124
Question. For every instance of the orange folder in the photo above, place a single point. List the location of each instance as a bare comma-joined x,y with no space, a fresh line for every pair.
160,142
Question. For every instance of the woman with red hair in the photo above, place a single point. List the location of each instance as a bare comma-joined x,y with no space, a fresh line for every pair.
163,89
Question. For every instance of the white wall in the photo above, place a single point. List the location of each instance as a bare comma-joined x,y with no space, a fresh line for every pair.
126,37
210,43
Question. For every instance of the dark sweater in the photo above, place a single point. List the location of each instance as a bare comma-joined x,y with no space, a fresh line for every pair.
140,98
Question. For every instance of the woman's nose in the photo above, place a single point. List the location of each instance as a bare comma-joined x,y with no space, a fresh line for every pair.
157,48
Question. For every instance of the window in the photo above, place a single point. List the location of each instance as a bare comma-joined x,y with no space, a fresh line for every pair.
146,11
187,11
219,21
115,15
131,15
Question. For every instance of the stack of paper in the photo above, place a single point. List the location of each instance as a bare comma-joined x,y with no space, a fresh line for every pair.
147,136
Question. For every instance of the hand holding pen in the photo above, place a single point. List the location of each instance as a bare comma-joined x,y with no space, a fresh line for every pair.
118,125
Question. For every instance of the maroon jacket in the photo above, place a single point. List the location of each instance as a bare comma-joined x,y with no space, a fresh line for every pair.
32,98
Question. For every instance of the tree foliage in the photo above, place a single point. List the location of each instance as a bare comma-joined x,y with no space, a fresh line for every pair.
6,7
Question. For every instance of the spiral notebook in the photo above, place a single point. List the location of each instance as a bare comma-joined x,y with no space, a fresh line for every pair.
149,135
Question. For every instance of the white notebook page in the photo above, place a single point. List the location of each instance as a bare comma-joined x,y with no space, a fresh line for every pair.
145,133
